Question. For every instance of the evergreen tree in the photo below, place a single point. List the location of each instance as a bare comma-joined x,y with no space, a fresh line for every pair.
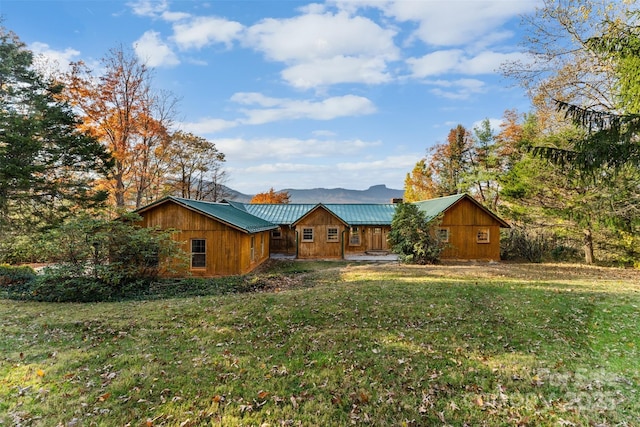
47,166
413,236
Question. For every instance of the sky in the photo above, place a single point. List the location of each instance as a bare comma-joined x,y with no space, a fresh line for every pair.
300,94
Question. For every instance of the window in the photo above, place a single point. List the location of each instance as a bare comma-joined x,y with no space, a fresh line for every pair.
482,235
198,253
443,235
276,234
307,234
354,236
333,234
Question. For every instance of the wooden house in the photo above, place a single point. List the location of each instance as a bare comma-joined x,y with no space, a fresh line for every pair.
219,239
234,238
311,231
368,226
470,231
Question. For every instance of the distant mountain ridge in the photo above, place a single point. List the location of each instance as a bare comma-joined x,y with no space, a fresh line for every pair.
374,194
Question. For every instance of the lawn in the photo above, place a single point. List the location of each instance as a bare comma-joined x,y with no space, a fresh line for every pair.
331,344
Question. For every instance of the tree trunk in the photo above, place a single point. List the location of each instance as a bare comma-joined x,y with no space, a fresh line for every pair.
588,246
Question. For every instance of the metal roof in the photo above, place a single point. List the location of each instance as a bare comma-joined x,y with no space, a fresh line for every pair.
351,214
253,218
363,214
435,207
223,212
285,214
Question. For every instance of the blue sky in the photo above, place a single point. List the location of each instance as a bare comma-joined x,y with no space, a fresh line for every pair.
297,94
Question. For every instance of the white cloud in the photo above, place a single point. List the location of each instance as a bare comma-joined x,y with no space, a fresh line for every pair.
202,31
276,109
455,61
279,149
268,110
458,89
51,60
286,168
208,125
452,22
320,36
388,163
436,63
339,69
326,49
153,51
150,8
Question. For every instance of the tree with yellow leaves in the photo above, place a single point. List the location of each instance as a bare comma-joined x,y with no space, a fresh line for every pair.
271,197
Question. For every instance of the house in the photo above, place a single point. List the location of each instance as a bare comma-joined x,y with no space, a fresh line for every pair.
221,240
311,231
470,230
234,238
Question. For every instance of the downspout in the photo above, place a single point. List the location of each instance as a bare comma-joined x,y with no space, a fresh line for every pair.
297,244
342,244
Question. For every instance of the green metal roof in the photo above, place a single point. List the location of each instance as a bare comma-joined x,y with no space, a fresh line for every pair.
435,207
285,214
363,214
253,218
352,214
223,212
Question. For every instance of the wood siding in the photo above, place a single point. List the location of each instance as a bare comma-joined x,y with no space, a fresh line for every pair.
228,250
464,220
320,220
372,238
286,244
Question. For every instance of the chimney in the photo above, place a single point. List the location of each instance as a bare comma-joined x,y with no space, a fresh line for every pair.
397,201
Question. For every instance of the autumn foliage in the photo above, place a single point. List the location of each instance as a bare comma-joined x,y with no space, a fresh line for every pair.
271,197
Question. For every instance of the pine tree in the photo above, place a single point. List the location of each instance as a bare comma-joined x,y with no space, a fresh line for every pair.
47,166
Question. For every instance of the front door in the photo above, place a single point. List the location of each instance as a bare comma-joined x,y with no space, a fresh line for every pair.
376,239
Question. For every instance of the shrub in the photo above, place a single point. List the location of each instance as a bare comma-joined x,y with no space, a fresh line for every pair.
15,275
100,259
413,237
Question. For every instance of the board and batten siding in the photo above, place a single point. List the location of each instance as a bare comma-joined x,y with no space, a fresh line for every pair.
464,220
286,244
372,238
228,250
320,220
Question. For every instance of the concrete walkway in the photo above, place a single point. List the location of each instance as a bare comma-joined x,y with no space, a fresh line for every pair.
359,257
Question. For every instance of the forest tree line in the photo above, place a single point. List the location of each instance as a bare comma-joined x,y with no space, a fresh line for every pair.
566,174
79,143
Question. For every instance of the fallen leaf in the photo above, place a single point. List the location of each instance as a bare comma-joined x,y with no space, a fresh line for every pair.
40,373
263,394
479,401
104,397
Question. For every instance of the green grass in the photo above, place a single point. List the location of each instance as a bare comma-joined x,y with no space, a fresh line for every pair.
336,344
